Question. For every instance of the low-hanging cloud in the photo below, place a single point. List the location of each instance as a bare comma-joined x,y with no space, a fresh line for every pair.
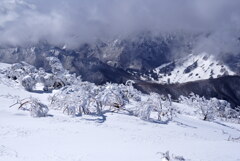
73,22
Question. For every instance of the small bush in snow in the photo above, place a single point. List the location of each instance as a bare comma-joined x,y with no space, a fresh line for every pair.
37,108
158,104
28,82
167,157
34,106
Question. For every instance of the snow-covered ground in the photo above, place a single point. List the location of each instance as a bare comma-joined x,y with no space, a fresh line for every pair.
120,137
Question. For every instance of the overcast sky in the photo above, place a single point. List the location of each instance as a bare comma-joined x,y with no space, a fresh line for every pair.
73,22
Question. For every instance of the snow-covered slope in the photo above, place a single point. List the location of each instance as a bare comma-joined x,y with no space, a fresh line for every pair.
121,137
192,68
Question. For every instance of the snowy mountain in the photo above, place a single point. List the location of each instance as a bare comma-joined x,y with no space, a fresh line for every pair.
142,57
192,68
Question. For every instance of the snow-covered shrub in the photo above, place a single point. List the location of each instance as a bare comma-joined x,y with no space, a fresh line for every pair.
71,110
60,77
56,66
113,95
76,97
33,105
29,76
28,82
145,110
211,109
132,93
158,104
234,139
37,108
148,105
203,107
47,80
168,109
24,73
232,115
82,96
171,157
19,70
88,98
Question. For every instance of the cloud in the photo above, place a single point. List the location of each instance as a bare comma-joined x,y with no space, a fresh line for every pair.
74,22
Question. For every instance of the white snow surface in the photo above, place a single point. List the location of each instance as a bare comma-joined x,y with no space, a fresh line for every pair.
59,137
207,67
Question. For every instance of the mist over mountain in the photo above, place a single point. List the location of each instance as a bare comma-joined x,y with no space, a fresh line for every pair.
72,23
